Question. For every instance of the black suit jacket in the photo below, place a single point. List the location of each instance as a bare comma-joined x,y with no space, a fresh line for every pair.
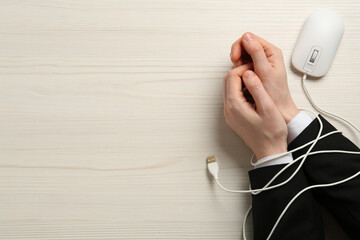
303,218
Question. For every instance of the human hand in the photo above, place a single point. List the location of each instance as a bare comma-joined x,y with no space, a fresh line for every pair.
269,65
260,125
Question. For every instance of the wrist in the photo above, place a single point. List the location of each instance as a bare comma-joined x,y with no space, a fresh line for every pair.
290,112
271,150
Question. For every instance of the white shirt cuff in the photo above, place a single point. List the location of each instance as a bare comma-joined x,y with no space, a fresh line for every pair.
275,160
295,127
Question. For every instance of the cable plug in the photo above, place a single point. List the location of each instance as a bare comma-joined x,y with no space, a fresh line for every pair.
213,166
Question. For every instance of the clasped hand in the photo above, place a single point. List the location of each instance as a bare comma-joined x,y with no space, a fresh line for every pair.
258,65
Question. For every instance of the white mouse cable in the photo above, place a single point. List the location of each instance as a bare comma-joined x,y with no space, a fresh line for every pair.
292,200
213,168
321,110
266,187
296,196
306,189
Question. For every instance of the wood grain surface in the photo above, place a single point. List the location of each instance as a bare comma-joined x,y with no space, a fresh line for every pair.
109,108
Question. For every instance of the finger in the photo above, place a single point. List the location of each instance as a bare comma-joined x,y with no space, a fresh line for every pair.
235,53
257,90
271,50
244,59
233,82
238,54
224,91
257,53
263,42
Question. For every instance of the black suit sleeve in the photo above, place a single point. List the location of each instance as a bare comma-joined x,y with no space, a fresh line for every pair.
303,218
343,201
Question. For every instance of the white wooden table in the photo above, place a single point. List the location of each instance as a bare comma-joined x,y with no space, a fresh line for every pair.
109,108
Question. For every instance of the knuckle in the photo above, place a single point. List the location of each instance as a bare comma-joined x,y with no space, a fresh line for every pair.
231,73
267,108
276,50
266,70
231,103
229,106
257,49
255,85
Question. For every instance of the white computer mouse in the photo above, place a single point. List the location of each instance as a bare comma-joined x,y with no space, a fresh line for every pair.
318,42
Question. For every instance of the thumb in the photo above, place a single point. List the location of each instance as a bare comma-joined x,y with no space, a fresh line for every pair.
253,83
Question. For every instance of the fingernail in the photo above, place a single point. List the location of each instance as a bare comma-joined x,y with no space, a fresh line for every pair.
248,36
248,74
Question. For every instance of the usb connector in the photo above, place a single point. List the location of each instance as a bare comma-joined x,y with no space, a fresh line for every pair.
210,159
213,166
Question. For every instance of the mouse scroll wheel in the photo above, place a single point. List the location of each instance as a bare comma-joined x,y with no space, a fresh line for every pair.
313,56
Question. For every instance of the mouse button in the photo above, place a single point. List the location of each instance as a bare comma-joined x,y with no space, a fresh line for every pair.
313,56
312,59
